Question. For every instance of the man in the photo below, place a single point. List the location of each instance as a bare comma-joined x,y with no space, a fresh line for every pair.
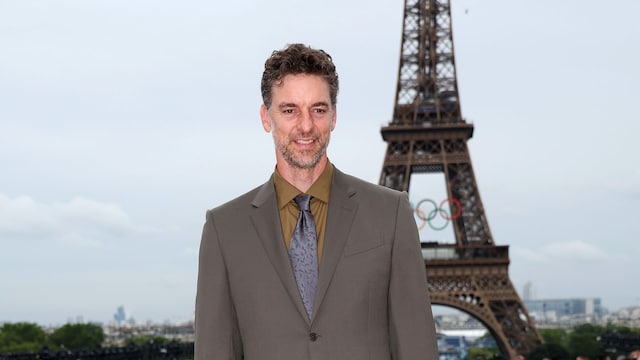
343,281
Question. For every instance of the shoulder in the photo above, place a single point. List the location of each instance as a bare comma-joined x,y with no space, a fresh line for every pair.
371,198
365,188
376,206
244,202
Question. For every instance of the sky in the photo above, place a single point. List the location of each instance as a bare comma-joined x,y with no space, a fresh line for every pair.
122,121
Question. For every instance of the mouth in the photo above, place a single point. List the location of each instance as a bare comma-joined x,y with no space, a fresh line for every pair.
304,141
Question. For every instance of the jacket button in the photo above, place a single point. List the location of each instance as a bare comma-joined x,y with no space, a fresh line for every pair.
313,336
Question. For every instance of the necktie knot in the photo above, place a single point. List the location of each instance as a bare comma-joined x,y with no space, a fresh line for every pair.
303,201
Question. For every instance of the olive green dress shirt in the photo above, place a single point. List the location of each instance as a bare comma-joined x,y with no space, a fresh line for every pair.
289,211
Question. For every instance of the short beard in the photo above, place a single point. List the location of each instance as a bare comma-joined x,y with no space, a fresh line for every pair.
293,161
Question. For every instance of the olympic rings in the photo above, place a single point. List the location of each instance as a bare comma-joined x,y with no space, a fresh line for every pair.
441,211
421,216
435,206
438,209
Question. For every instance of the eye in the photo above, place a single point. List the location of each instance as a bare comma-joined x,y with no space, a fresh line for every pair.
287,111
320,110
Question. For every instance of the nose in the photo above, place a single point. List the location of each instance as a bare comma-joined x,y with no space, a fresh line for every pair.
306,122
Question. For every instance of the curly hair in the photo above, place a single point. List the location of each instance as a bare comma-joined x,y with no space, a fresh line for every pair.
298,59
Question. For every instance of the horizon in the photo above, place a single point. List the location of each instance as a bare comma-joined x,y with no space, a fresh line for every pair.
438,310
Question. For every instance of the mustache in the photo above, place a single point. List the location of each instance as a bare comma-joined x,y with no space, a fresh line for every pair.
309,135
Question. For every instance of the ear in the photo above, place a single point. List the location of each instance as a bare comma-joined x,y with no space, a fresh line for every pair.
264,117
334,117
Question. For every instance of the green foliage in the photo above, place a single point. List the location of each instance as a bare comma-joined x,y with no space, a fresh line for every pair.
481,352
555,336
21,337
77,336
621,329
550,351
146,340
584,341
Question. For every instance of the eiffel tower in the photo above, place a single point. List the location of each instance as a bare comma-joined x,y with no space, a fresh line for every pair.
428,134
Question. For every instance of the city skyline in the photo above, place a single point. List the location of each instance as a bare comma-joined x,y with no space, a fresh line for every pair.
122,122
122,316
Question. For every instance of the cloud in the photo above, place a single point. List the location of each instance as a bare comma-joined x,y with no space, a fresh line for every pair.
567,251
77,221
572,269
574,250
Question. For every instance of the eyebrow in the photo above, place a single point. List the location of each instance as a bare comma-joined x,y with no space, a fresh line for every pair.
286,105
316,104
321,103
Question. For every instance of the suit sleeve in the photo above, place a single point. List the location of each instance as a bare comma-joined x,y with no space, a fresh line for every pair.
412,329
216,328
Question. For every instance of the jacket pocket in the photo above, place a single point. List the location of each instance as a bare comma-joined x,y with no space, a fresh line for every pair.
362,246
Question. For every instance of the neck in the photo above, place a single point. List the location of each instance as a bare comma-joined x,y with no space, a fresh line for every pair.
302,179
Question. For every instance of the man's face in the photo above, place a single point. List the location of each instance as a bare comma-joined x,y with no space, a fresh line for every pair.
300,119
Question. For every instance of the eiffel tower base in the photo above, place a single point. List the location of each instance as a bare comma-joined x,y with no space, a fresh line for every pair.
476,281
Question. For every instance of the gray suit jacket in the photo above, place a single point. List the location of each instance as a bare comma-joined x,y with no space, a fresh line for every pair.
371,301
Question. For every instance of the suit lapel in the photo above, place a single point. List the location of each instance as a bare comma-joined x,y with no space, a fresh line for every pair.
266,220
342,209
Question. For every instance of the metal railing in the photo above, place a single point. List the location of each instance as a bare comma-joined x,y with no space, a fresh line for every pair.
173,350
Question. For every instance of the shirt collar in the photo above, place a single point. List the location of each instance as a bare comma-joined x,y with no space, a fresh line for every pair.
321,188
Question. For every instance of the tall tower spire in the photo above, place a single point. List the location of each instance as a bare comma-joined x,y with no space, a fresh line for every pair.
427,90
428,134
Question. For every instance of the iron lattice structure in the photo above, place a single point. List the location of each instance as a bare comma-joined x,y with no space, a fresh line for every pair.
428,134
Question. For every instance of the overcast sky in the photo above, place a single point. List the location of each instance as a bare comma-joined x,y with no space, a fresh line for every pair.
122,121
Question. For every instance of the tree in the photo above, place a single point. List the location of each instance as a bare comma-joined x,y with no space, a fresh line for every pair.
549,351
480,353
77,336
584,340
146,340
555,336
21,337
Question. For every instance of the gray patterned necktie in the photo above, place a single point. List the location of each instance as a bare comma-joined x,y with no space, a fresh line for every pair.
303,252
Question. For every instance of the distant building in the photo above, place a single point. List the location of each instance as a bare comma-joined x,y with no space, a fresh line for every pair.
120,316
629,317
451,347
556,309
529,292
